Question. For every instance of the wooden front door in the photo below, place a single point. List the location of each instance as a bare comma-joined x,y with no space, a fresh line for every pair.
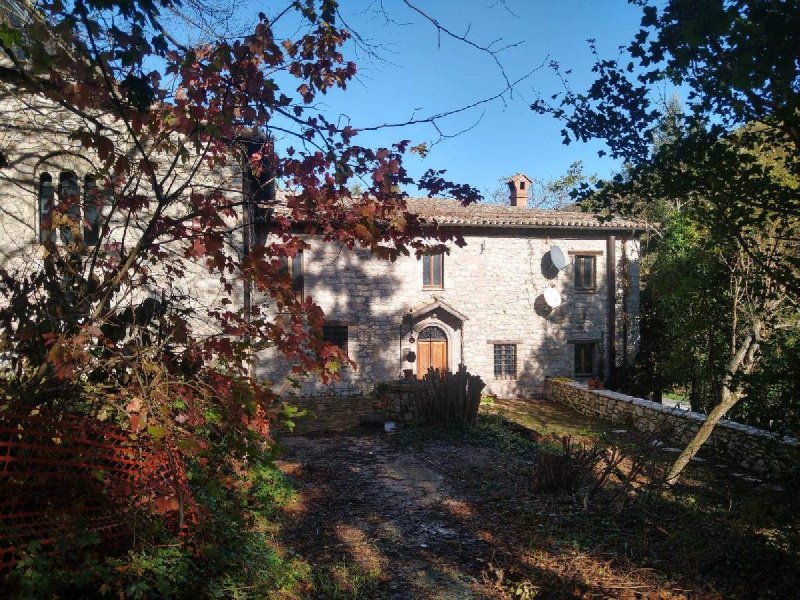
431,350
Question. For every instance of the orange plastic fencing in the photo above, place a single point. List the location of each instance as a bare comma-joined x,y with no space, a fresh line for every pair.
65,473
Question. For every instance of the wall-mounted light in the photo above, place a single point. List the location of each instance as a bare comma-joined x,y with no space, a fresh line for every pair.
408,318
483,246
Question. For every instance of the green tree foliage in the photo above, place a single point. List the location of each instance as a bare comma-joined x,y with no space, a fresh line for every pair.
731,165
685,313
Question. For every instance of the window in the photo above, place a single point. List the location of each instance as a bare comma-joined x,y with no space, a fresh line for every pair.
505,361
522,185
336,335
72,207
92,204
46,208
261,217
69,200
584,272
293,267
433,271
584,358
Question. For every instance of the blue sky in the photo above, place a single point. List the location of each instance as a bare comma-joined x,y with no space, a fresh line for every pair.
423,74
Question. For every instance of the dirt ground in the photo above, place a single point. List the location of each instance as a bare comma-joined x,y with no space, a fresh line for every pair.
444,514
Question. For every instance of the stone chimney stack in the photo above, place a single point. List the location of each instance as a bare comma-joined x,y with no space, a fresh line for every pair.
518,186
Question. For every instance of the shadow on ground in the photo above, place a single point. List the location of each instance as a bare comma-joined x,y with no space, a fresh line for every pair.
452,514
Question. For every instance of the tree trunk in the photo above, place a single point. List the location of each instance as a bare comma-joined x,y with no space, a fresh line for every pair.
742,360
729,399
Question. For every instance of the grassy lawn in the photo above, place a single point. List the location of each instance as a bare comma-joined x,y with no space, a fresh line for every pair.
547,418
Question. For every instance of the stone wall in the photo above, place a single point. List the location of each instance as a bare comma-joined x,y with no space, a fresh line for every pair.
35,140
335,413
390,401
493,285
396,399
752,448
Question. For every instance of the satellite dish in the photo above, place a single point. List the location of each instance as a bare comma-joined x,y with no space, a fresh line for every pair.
557,257
552,297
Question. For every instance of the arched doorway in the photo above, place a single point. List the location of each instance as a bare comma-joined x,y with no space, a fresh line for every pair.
431,350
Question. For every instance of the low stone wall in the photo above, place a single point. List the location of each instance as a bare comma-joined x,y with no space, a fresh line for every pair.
335,413
396,399
390,401
752,448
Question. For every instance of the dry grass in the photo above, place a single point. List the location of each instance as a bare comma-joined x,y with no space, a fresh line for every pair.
453,514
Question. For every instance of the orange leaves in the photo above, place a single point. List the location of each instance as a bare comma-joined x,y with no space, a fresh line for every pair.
165,505
305,91
67,355
137,414
362,233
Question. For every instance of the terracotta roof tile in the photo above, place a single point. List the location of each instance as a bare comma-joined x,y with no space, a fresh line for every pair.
451,212
445,211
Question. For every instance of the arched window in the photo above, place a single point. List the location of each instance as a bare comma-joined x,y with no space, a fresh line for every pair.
46,208
69,200
433,334
92,204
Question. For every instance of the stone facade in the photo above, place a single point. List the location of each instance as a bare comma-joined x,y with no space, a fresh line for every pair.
35,142
491,294
752,448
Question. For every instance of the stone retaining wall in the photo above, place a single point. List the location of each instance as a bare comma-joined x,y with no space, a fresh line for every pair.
335,413
752,448
390,401
396,399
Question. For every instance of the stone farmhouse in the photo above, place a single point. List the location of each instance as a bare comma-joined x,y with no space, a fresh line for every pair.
488,305
483,305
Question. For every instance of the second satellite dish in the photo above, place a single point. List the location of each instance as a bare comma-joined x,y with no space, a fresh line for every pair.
557,257
552,297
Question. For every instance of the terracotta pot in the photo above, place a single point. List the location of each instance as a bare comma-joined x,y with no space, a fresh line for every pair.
594,384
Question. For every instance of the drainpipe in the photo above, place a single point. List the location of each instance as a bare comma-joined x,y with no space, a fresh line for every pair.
462,342
626,282
247,282
611,285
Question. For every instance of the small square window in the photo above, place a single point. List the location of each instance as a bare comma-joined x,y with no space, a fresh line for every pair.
336,335
584,359
433,271
505,361
584,272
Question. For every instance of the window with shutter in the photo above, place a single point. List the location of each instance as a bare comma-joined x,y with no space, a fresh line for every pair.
46,205
433,271
584,273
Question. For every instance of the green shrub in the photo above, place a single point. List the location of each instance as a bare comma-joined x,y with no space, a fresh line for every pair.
229,554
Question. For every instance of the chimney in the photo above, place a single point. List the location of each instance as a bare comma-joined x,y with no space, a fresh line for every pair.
518,186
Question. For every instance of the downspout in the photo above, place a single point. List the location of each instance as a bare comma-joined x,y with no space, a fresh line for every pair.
611,286
247,219
462,342
626,282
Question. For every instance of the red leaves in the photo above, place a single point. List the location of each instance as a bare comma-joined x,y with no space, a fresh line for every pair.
175,190
305,91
